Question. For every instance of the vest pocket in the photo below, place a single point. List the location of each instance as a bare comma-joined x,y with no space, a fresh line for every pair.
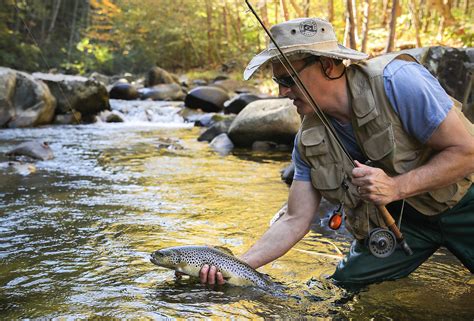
444,194
328,180
314,142
364,110
380,144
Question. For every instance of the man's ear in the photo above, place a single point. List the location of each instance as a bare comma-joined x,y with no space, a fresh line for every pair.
327,64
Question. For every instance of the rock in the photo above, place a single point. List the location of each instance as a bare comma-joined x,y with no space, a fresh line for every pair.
229,85
216,129
236,104
263,146
33,149
114,117
7,91
124,91
105,80
67,119
167,92
287,174
454,69
24,101
273,120
222,144
24,169
75,93
199,82
157,76
208,99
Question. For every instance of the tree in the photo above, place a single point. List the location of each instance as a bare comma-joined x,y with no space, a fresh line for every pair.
365,25
393,26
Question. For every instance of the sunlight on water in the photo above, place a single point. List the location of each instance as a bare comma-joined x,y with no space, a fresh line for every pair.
75,236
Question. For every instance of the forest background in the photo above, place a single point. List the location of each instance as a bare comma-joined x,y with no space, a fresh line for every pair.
113,37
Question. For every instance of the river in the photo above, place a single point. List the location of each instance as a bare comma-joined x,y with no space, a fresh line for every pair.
76,233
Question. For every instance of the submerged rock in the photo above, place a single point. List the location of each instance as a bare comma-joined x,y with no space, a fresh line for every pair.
222,144
34,149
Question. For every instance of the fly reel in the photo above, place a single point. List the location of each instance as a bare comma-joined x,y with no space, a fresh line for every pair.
381,242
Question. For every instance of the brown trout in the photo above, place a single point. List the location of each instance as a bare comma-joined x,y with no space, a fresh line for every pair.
190,259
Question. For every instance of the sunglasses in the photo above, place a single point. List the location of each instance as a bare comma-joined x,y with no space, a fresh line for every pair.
288,81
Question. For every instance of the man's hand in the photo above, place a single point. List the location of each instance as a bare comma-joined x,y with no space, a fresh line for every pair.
209,275
374,185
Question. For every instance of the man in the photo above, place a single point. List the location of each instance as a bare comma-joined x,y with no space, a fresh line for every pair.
390,114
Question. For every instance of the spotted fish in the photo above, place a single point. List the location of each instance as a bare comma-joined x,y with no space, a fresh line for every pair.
190,259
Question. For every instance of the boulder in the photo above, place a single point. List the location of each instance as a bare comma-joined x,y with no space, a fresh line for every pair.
24,101
216,129
33,149
114,117
163,92
123,91
222,144
207,98
67,119
236,104
273,120
454,69
157,76
75,93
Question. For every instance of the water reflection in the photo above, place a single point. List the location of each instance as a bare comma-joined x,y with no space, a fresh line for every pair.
75,236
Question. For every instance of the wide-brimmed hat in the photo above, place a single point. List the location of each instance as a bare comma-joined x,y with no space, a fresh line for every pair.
312,36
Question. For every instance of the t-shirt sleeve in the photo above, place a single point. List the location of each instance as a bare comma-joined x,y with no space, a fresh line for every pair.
302,170
417,97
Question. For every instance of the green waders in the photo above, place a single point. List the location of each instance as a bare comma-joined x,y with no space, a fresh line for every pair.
453,229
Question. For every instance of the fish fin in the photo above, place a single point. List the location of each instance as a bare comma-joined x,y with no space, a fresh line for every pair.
223,249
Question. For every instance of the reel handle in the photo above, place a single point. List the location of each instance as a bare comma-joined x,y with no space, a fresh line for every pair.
388,219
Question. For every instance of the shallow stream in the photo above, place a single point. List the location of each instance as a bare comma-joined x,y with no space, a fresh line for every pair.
76,233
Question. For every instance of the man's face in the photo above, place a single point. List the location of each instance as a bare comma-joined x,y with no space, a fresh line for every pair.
308,75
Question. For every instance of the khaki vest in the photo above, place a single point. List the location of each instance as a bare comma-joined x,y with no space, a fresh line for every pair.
381,137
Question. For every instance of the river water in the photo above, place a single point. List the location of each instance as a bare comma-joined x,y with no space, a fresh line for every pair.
76,233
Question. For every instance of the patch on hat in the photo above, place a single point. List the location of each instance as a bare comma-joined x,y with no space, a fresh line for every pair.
308,28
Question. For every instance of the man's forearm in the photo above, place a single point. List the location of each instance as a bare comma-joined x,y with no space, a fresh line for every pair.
443,169
280,238
303,204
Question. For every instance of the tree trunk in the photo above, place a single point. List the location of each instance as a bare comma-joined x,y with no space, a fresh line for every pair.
57,4
264,12
365,25
73,29
226,28
209,31
238,26
306,8
466,7
277,11
393,25
297,8
384,12
284,9
356,21
349,36
416,21
330,11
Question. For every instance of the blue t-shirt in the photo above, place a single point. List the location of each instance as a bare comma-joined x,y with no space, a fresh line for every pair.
415,95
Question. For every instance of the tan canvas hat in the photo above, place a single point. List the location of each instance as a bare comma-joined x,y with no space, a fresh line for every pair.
302,36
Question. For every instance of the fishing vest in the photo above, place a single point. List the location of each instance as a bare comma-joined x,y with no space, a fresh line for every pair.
383,140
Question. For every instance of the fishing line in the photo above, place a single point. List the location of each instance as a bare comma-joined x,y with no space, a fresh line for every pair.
68,102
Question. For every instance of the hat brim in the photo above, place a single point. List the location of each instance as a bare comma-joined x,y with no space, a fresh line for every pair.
268,55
